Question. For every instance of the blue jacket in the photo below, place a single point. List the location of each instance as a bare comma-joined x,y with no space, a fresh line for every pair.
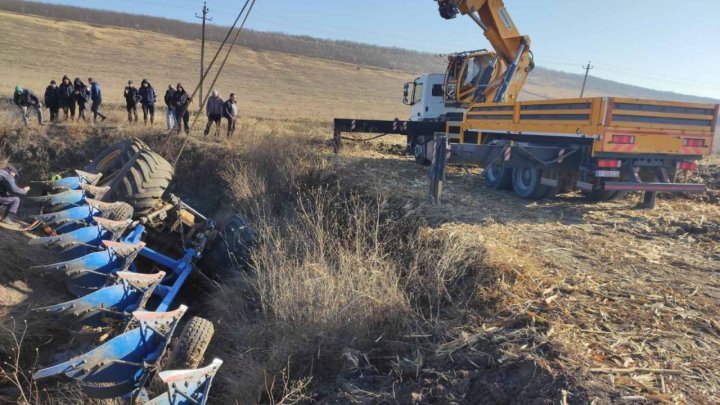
8,185
95,92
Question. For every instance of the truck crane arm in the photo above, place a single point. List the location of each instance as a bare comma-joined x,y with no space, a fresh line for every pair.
512,60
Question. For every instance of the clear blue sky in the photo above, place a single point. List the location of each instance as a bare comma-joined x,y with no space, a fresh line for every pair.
662,44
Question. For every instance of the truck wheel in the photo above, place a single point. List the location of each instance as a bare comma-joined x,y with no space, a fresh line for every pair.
526,183
603,195
188,350
141,183
498,177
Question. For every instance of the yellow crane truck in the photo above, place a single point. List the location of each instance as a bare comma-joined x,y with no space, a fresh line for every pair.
602,146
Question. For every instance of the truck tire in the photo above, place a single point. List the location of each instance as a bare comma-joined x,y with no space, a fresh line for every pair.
141,183
188,350
498,177
526,183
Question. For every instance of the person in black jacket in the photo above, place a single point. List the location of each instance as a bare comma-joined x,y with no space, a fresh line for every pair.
131,99
170,116
230,113
52,100
181,102
26,99
148,99
66,96
82,96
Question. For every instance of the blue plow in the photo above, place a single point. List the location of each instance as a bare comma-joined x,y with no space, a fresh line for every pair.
121,365
112,293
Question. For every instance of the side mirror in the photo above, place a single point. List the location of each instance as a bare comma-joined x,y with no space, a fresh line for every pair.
407,93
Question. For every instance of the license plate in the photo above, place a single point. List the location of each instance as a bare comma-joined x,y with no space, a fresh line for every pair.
607,173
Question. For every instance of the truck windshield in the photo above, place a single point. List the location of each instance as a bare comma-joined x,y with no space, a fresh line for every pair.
417,93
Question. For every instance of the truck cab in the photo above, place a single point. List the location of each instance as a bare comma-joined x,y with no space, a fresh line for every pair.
426,97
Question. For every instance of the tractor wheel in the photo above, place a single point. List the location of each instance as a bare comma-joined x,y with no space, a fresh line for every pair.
136,174
498,177
188,350
526,183
120,212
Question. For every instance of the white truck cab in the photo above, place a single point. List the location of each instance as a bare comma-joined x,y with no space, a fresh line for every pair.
426,96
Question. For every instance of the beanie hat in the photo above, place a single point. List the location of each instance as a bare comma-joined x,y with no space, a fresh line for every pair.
18,89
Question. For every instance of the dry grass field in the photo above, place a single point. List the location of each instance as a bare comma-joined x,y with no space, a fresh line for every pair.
360,291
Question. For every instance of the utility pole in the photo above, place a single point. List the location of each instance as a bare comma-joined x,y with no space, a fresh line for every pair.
587,68
204,18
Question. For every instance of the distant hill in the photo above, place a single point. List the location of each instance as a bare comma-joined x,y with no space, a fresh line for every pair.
543,83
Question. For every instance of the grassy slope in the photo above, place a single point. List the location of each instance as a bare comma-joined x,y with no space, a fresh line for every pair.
269,84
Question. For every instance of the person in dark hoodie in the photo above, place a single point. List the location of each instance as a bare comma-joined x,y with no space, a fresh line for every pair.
52,100
230,113
26,99
8,197
81,95
131,99
96,97
181,102
148,99
67,100
170,117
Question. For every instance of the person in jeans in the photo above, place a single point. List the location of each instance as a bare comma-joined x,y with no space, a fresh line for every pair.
96,97
230,112
67,98
131,99
81,95
148,99
170,116
181,103
214,111
52,100
26,99
8,197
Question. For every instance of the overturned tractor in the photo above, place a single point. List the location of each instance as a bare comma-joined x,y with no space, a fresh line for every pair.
129,247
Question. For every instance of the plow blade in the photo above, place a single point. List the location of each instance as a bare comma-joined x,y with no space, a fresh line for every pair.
115,302
73,183
81,213
187,387
121,365
72,197
104,229
91,272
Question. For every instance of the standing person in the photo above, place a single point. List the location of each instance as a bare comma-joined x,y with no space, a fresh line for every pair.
26,99
52,100
181,102
131,99
214,111
170,116
230,112
82,95
96,97
67,99
148,99
8,188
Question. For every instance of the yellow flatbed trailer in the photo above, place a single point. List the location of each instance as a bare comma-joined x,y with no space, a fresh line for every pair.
603,146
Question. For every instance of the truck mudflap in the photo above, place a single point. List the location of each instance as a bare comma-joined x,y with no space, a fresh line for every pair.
655,187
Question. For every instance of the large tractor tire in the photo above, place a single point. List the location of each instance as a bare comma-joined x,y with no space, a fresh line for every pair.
136,175
527,183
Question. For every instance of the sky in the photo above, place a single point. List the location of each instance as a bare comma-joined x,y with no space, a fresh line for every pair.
661,44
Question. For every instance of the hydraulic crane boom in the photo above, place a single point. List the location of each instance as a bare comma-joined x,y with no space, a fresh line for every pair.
482,76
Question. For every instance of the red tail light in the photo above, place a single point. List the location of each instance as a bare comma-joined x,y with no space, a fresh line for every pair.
692,166
609,163
625,139
694,143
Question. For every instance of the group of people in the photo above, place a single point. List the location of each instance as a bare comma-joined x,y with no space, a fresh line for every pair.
68,96
71,96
